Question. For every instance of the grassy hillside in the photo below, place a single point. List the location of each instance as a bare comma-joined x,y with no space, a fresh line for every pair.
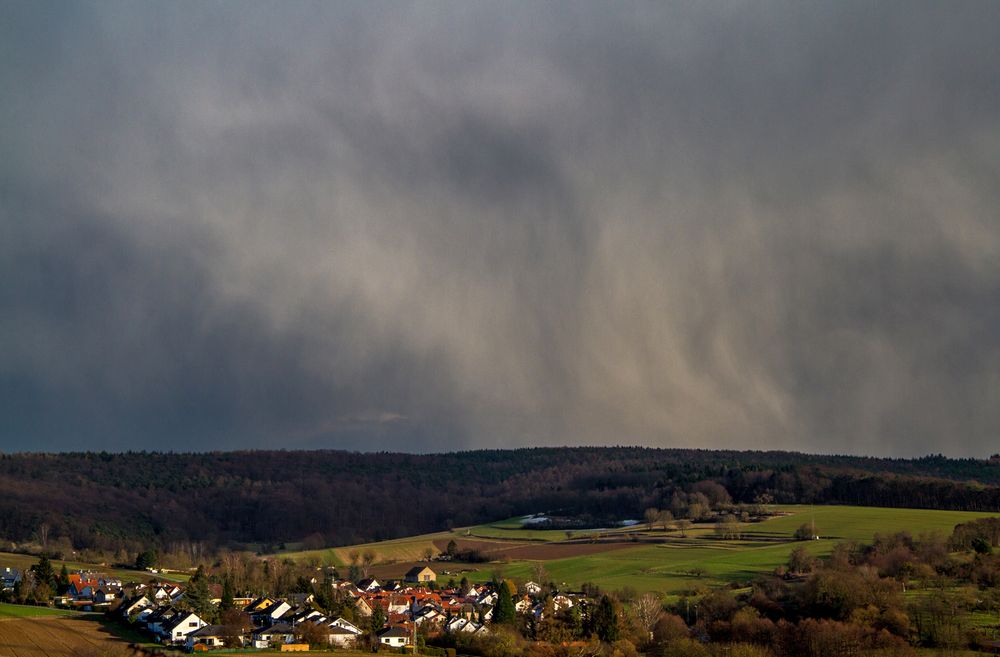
401,549
24,561
861,523
664,561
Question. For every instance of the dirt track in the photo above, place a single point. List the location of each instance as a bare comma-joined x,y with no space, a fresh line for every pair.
57,637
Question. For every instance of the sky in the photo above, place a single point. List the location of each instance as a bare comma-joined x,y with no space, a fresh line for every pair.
457,225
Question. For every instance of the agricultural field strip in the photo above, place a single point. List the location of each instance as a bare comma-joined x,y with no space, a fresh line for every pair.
23,640
53,637
15,612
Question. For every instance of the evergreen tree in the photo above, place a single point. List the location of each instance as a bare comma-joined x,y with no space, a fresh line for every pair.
377,620
503,610
302,585
63,579
227,602
146,559
605,621
44,573
576,621
197,597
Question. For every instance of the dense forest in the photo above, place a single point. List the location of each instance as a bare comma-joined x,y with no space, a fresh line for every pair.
260,499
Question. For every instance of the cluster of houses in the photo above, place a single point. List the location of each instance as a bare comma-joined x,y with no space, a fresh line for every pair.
407,606
87,591
92,591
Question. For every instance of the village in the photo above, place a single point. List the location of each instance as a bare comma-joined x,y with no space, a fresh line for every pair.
381,615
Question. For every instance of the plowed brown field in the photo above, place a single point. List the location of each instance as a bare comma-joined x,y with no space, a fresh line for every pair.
58,637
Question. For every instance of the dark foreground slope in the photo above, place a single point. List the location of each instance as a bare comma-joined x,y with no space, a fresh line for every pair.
134,500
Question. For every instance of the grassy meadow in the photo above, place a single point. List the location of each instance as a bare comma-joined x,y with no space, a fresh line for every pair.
653,560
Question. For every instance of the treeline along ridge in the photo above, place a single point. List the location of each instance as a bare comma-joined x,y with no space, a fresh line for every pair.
134,500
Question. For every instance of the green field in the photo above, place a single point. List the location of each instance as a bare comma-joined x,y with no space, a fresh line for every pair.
857,523
668,566
665,568
27,611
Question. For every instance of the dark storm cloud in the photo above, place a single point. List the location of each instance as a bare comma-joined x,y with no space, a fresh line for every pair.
428,227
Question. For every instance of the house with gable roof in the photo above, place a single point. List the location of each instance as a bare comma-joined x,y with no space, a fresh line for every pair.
420,574
177,629
396,636
9,577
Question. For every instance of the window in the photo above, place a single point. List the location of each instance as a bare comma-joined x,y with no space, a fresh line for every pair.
193,624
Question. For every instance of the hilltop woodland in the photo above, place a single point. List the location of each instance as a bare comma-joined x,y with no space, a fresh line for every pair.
191,505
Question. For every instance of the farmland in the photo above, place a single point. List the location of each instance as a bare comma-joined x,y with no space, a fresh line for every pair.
50,636
651,560
8,611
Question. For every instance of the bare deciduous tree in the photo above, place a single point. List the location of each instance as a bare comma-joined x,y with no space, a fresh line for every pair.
665,519
651,515
367,559
647,610
538,572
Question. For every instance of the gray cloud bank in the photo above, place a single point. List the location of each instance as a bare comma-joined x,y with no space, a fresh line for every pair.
441,226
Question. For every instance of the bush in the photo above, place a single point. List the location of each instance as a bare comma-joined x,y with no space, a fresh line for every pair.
804,532
682,648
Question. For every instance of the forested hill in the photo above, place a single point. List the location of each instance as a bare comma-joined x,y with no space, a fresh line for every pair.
126,501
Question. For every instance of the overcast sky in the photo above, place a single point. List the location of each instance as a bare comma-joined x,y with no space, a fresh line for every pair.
439,226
